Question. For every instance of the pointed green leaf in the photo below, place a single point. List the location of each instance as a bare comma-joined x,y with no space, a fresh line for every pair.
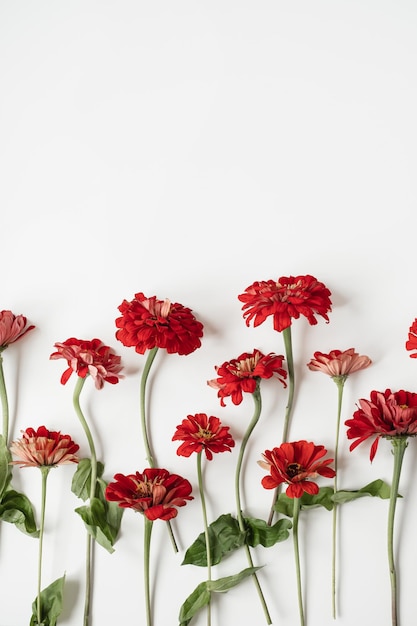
377,488
225,536
81,480
260,533
17,509
228,582
51,604
324,498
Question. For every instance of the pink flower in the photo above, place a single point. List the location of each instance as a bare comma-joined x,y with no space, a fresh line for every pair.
338,364
411,343
43,448
12,328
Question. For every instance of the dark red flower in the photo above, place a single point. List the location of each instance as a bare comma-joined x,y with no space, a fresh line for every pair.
43,448
411,343
295,464
243,374
155,492
200,432
387,414
287,298
12,328
148,323
89,357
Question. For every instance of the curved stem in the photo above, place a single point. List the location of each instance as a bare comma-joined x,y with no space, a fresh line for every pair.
45,471
296,513
146,570
399,445
255,418
4,403
206,531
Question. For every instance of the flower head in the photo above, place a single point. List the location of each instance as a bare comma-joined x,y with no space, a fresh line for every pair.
155,492
89,357
12,328
411,343
339,364
43,448
286,299
387,414
295,464
243,374
148,323
200,432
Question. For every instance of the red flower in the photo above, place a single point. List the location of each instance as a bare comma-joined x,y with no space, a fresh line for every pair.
285,299
156,493
243,374
389,414
200,432
148,323
411,344
339,364
12,328
89,357
295,463
44,448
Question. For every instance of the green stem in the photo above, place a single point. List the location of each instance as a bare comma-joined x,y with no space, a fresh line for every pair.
44,471
255,418
146,564
296,513
206,531
286,334
4,403
399,445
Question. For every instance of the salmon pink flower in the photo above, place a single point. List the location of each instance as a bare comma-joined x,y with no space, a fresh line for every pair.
89,357
244,373
44,448
411,343
12,328
338,364
200,432
148,323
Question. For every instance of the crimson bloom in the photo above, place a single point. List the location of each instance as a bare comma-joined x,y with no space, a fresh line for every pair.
44,448
89,357
148,323
155,492
295,464
243,374
285,299
411,343
12,328
200,432
339,364
387,414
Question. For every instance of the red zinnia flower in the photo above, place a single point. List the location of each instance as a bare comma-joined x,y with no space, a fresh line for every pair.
12,328
148,323
339,364
389,414
295,463
200,432
411,344
242,374
89,357
44,448
155,493
287,298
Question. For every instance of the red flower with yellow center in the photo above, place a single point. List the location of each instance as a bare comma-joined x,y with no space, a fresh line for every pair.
411,343
43,448
155,492
148,323
296,464
285,299
338,364
243,374
200,432
387,414
12,328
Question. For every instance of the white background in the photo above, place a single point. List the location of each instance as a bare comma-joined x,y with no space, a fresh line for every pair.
186,149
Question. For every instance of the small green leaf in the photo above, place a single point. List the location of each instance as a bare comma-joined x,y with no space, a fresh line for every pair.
51,604
225,536
228,582
377,488
324,498
81,481
260,533
17,509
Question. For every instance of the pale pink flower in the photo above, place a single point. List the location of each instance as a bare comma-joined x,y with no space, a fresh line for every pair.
12,328
339,364
43,448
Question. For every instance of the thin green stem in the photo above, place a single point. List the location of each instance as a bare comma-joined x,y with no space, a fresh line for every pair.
255,418
296,513
146,569
4,403
399,445
206,531
44,472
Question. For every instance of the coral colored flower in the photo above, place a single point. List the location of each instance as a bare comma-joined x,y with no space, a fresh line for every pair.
200,432
411,344
387,414
156,493
242,374
295,464
12,328
43,448
339,364
148,323
286,299
89,357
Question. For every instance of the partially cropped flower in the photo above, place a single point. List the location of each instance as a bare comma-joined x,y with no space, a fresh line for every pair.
200,432
286,299
12,328
339,364
296,464
387,414
243,374
43,448
89,357
148,323
411,343
155,492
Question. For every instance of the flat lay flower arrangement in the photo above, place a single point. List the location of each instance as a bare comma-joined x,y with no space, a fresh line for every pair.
300,475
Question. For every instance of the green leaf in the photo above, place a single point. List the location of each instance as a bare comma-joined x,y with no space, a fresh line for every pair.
324,498
17,509
5,467
51,604
260,533
225,536
81,481
377,488
224,584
